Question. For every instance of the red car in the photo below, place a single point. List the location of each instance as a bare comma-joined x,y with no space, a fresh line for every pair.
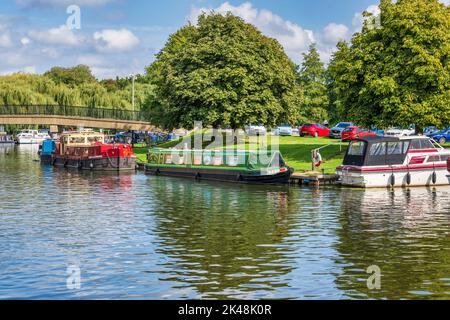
354,132
315,130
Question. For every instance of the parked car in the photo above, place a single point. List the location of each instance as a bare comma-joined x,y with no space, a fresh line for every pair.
336,131
354,132
284,130
431,131
315,130
256,130
399,132
443,136
379,132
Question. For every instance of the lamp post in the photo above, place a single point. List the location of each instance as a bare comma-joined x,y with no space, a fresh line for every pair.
133,77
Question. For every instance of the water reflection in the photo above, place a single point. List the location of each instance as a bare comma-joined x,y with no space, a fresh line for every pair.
405,233
140,237
222,241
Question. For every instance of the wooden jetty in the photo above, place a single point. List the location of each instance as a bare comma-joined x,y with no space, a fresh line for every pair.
313,178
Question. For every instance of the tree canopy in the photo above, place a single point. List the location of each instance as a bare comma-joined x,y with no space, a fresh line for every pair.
224,72
312,79
398,72
71,76
27,89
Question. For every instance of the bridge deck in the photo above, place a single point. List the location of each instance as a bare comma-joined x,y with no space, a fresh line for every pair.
75,116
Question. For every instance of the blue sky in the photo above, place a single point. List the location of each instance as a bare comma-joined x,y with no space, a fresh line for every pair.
120,37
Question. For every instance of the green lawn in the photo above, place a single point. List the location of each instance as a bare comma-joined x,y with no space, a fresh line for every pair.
295,150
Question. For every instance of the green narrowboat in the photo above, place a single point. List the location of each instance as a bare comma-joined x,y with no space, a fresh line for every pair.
253,167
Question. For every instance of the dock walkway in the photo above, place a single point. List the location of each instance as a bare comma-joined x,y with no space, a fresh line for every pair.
311,178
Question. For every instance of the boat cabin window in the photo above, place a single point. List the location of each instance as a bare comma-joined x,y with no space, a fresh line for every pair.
356,148
421,144
395,153
94,139
77,140
355,154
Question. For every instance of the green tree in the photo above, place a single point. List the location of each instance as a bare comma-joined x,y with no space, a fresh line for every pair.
398,72
312,78
224,72
71,76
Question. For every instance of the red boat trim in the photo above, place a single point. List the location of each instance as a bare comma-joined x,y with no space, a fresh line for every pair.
423,151
390,169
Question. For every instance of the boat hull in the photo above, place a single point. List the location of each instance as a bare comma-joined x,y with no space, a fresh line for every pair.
30,141
383,178
96,164
220,175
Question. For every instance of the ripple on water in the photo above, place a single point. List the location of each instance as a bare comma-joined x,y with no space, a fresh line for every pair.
140,237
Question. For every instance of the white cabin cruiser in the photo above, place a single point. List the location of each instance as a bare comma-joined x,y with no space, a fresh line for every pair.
394,161
31,137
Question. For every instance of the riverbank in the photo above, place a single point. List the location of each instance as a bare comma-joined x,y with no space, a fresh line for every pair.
295,150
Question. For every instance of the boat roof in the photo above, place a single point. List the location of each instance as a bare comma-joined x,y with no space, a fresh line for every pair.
82,133
379,139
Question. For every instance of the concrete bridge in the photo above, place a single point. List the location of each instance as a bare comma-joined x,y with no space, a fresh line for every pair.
72,116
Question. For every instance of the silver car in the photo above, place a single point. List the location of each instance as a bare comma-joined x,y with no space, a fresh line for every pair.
337,130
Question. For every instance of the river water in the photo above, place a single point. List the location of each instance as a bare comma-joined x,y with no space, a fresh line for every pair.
133,236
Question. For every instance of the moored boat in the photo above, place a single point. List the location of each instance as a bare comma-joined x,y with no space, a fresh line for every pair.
87,150
6,139
394,161
31,137
233,166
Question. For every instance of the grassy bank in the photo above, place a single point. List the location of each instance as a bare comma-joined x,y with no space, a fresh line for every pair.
295,150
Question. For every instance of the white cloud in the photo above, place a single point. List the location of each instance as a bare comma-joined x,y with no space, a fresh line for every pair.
334,33
5,40
358,19
27,69
90,60
292,37
51,53
446,2
25,41
114,41
60,3
56,36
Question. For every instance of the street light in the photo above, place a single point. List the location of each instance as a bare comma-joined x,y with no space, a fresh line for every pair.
133,77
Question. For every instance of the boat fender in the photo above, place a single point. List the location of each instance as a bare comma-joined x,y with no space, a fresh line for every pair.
198,176
434,177
392,180
65,163
157,172
239,177
80,164
408,178
91,165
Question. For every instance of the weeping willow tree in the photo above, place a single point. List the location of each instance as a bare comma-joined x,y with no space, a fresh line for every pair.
27,89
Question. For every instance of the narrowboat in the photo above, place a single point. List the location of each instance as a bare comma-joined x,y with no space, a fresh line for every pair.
87,150
377,161
233,166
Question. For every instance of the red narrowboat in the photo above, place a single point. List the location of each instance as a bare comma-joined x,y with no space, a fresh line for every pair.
87,150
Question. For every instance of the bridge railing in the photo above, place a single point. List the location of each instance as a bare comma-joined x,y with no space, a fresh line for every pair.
74,111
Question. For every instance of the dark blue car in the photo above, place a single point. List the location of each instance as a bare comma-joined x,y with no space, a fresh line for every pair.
442,137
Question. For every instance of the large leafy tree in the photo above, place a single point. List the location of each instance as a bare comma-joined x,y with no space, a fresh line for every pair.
313,81
397,72
71,76
224,72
